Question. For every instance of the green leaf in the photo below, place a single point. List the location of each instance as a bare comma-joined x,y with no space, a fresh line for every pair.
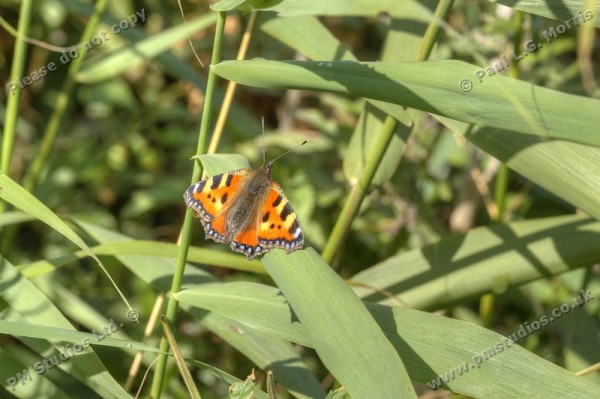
433,86
573,10
568,170
309,36
221,163
345,336
225,299
486,259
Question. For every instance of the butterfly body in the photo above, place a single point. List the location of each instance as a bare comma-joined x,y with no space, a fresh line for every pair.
246,209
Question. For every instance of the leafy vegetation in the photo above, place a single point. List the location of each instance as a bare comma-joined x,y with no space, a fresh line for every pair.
448,195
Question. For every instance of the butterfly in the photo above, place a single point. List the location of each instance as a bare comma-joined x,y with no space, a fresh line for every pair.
246,209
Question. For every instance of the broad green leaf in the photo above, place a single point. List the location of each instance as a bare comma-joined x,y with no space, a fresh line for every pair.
345,336
573,11
434,86
224,299
29,303
221,163
569,170
309,36
147,248
486,259
434,348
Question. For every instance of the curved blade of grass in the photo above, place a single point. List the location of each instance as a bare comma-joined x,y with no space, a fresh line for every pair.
24,329
345,336
20,198
433,86
146,248
143,50
486,259
267,352
28,302
10,218
430,345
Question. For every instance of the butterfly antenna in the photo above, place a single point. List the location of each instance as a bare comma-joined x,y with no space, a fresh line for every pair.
290,150
263,135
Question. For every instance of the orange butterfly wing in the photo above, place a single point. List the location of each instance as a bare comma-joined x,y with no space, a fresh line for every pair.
211,198
277,224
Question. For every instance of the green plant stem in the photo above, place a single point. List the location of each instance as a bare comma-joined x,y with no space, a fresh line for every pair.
350,209
502,177
356,197
186,229
500,190
12,107
430,36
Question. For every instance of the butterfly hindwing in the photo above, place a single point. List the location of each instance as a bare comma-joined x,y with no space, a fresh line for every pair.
278,225
246,242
